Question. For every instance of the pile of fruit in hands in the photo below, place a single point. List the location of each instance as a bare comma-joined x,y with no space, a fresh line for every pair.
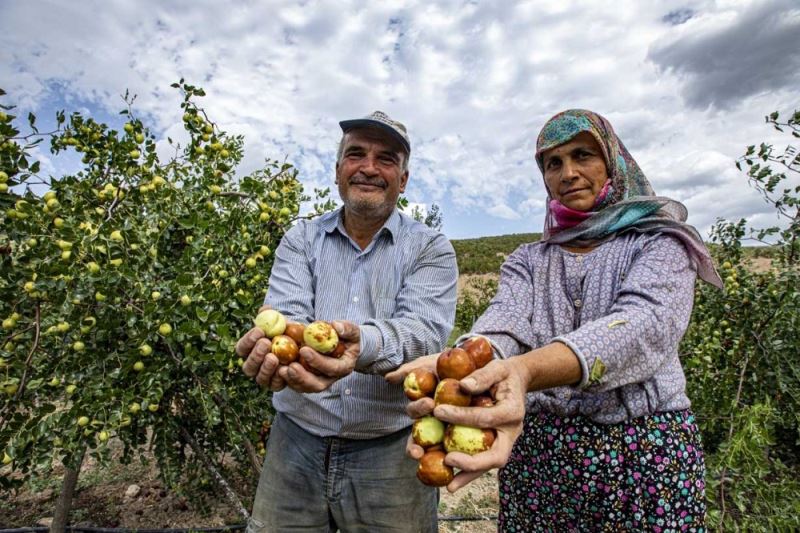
436,437
288,337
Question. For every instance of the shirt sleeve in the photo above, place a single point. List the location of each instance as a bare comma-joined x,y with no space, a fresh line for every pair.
423,317
291,281
507,320
644,325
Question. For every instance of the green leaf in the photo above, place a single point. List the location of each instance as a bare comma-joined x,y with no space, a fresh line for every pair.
202,314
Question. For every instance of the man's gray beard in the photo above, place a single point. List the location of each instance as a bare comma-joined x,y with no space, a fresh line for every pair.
369,210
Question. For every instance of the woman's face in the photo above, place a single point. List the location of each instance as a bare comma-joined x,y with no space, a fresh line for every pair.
575,172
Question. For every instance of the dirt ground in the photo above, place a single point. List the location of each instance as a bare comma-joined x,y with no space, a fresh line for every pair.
132,497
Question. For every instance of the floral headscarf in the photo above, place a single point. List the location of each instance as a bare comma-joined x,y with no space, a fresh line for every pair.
630,203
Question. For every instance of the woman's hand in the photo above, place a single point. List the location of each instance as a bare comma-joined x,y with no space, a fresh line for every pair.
428,362
508,381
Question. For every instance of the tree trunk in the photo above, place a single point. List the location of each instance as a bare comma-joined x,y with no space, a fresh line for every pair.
209,465
64,503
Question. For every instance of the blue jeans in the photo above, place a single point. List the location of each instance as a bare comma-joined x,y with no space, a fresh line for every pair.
322,484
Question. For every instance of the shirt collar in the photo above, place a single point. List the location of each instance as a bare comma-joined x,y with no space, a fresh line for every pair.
335,221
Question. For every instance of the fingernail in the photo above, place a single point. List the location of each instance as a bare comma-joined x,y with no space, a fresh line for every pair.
470,383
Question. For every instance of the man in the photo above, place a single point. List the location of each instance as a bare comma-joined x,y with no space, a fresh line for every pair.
336,453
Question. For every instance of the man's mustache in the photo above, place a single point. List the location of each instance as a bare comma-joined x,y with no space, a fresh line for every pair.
357,180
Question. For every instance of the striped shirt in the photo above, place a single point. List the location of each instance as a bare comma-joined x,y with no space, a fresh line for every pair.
622,308
401,290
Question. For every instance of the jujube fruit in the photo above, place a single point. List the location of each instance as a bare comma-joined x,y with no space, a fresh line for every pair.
419,383
454,363
432,471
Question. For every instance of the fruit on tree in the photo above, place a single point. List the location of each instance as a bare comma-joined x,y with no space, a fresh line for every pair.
71,388
185,300
432,470
454,363
427,431
138,366
467,439
448,392
285,349
480,349
145,349
419,383
83,421
116,236
165,329
103,436
271,322
321,336
78,346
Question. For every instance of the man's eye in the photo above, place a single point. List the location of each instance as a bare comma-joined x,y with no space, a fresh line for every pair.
553,163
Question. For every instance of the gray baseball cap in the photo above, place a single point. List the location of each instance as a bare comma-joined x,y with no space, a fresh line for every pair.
381,120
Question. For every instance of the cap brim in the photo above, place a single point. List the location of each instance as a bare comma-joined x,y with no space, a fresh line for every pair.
348,125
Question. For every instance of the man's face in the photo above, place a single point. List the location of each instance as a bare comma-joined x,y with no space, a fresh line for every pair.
371,173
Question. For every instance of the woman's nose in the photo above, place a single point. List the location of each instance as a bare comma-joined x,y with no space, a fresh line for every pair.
569,170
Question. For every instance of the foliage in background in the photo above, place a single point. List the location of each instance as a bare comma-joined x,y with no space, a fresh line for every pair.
472,302
486,254
123,290
742,356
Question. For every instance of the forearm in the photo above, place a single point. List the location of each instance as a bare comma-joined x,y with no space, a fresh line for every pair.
553,365
387,344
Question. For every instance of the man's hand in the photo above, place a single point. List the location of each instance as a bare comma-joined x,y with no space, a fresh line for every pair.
507,380
260,362
332,369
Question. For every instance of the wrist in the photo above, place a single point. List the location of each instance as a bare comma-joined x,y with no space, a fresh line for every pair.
553,365
523,366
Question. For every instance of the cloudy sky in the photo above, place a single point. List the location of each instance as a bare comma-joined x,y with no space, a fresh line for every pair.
686,84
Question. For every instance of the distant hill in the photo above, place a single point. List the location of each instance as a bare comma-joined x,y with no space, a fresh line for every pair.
485,254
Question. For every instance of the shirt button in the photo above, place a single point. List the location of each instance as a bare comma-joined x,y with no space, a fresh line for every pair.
579,259
578,303
347,391
355,299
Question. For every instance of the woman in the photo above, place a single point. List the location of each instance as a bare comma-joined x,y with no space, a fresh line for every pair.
586,325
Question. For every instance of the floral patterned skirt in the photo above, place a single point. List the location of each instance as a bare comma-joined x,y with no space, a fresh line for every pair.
572,474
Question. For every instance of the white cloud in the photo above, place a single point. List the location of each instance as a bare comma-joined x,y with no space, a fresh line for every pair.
474,82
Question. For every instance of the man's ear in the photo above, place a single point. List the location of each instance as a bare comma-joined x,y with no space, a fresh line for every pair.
403,181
